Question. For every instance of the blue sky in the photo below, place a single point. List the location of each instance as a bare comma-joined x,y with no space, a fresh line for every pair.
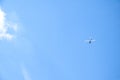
47,40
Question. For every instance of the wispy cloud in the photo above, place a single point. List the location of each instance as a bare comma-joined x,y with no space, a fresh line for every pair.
25,73
5,27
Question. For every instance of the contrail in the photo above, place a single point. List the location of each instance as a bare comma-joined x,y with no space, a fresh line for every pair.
25,73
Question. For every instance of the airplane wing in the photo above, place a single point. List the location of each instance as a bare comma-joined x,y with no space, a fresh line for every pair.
87,40
93,40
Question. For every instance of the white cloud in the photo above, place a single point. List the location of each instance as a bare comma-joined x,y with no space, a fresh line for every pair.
5,27
25,73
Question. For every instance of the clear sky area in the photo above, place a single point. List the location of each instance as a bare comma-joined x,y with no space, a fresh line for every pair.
45,39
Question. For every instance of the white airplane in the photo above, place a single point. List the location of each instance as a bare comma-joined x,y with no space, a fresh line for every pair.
90,40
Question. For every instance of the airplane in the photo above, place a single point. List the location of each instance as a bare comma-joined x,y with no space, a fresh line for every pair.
90,40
